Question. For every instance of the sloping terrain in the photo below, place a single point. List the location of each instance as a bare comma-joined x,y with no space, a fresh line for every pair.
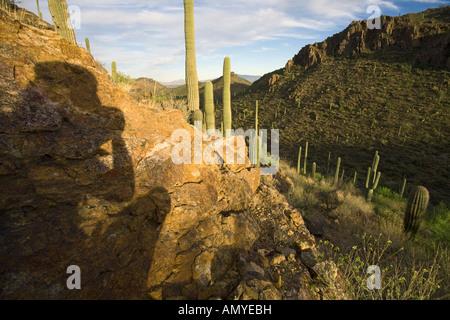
146,89
364,90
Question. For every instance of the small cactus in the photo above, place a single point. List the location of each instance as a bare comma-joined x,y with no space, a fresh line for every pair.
403,188
376,161
372,183
298,160
336,175
328,163
354,178
369,171
88,46
114,71
415,209
306,158
313,174
209,107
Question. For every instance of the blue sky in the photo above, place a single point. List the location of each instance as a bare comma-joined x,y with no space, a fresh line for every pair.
146,38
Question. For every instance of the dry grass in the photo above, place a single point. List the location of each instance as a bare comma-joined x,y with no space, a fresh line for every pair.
359,234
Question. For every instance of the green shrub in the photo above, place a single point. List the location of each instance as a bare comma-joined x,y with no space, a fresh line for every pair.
398,281
122,78
438,222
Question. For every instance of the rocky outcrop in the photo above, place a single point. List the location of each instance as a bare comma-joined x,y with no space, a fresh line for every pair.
145,89
426,33
87,179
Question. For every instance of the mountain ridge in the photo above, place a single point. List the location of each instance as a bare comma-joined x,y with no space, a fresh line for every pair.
363,90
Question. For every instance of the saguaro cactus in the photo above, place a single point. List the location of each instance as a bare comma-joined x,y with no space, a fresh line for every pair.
226,95
328,163
114,71
61,19
38,10
403,188
336,174
306,158
258,162
376,161
313,174
299,160
193,97
88,45
372,183
197,116
415,209
209,106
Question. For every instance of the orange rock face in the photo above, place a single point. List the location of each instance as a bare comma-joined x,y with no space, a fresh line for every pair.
87,179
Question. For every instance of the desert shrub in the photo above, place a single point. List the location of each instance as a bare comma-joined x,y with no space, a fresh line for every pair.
398,281
389,206
438,223
122,78
410,269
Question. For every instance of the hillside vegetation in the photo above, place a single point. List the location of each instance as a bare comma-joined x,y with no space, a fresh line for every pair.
358,92
366,90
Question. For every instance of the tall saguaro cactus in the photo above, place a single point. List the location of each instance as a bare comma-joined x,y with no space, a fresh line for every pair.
193,97
61,19
226,95
209,106
417,206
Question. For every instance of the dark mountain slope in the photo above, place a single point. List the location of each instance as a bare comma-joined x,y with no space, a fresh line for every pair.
363,90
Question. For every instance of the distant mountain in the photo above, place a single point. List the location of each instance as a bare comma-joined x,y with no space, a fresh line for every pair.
174,84
249,78
238,85
182,82
145,88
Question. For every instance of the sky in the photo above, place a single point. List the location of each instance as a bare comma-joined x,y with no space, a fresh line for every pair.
146,38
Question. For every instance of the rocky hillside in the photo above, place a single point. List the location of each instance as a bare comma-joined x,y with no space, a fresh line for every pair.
363,90
145,89
87,179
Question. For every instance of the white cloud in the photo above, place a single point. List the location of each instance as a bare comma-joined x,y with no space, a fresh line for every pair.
143,36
